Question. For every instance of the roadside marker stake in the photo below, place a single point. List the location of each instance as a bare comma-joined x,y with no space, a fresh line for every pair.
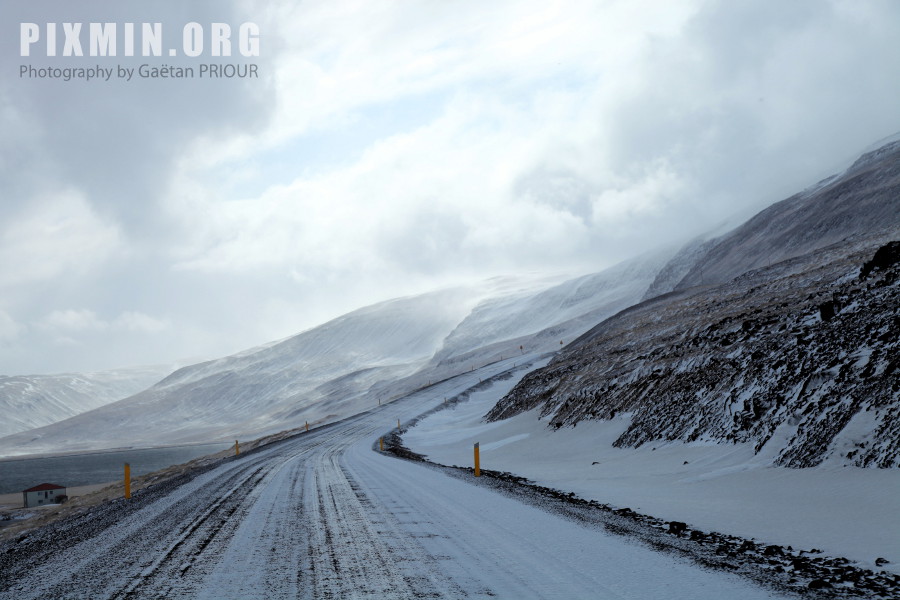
237,448
477,462
381,444
127,481
398,423
307,425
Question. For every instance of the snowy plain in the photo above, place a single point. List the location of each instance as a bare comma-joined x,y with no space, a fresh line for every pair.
843,511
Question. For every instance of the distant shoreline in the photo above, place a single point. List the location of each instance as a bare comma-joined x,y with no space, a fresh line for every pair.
107,451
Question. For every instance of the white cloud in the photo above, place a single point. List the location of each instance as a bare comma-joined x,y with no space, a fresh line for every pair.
74,321
9,328
395,146
138,322
339,59
410,193
562,134
57,235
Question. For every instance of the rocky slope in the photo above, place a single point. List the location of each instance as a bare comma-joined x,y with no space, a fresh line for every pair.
862,199
803,355
774,334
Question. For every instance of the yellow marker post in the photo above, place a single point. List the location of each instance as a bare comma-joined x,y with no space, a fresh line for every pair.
307,425
381,443
127,480
477,462
398,423
237,448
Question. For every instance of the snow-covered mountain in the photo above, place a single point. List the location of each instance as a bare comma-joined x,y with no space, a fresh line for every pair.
386,350
529,320
862,199
796,352
351,363
802,364
272,387
30,401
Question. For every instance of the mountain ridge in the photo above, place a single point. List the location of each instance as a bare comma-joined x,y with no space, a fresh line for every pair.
763,357
383,351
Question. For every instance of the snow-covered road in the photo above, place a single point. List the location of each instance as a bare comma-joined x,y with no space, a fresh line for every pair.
323,516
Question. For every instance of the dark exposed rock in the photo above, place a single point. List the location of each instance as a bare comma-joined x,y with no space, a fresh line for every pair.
677,527
818,584
886,256
827,310
800,564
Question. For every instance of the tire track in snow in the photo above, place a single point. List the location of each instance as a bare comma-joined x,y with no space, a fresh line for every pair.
367,553
322,516
193,539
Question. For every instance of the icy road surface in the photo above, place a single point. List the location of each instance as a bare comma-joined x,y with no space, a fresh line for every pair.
324,516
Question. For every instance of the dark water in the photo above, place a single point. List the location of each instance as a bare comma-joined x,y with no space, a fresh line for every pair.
86,469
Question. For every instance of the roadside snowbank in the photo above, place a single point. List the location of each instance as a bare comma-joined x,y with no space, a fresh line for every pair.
843,511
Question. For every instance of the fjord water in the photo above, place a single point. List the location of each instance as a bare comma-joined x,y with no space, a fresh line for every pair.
17,474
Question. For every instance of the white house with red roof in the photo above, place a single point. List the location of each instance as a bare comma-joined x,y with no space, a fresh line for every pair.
46,493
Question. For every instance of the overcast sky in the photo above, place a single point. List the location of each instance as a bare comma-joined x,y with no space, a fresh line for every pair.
389,148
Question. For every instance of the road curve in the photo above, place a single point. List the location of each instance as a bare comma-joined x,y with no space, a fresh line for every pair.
323,516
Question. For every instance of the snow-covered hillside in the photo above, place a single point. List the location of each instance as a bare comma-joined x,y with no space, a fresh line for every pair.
805,248
776,334
30,401
863,199
351,363
848,512
800,359
519,321
272,387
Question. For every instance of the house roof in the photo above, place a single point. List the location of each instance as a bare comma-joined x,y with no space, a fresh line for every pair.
45,487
